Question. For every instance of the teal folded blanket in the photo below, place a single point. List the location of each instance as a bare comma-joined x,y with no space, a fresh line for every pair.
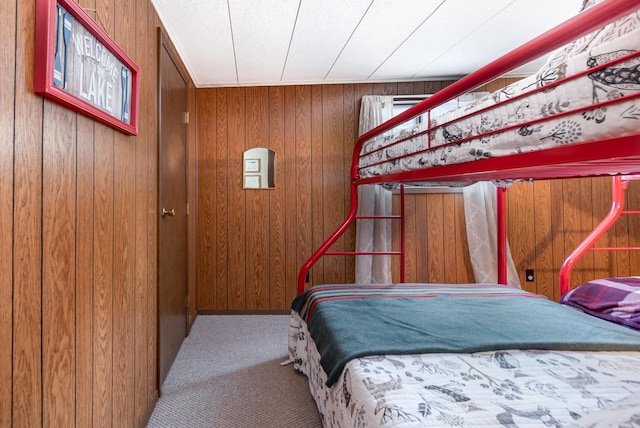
354,321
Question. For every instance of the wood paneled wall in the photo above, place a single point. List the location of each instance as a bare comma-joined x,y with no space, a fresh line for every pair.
251,243
78,239
436,247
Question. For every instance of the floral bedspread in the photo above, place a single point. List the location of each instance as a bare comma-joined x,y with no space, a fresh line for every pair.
505,122
486,389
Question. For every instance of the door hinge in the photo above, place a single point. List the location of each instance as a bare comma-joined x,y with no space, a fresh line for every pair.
187,208
185,119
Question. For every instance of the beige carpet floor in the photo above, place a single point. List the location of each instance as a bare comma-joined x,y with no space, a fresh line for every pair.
227,374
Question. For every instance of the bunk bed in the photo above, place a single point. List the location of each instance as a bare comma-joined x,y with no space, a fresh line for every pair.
464,355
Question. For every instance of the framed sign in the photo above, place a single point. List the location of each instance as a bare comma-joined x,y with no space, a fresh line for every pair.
80,67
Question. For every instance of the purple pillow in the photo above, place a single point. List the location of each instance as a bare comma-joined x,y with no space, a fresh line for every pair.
612,299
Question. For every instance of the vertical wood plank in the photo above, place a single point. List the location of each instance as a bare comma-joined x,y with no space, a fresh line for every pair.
317,182
557,225
104,255
586,225
222,197
141,323
257,209
418,88
141,326
435,257
521,230
303,174
350,125
84,262
237,204
395,239
289,161
7,121
421,234
464,269
572,224
103,278
58,265
405,88
412,262
545,281
449,238
27,230
206,207
334,177
151,57
124,245
192,227
275,226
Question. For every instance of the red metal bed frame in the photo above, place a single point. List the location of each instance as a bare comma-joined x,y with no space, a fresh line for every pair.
613,156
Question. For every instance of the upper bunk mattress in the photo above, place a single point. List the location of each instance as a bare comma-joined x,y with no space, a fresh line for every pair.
545,110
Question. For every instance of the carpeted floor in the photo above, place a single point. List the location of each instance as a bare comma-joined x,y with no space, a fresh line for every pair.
228,375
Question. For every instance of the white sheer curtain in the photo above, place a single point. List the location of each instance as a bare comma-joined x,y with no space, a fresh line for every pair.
373,235
480,219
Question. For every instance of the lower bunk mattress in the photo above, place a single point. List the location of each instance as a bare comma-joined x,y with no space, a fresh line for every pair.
511,386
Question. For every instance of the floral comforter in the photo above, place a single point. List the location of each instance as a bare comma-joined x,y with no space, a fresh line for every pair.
486,389
520,117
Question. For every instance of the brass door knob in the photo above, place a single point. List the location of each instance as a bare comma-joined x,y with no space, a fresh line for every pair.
170,213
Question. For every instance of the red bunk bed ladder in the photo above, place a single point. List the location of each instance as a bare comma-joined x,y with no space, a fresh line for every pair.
618,187
323,250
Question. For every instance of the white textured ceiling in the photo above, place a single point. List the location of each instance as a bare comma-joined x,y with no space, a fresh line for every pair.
281,42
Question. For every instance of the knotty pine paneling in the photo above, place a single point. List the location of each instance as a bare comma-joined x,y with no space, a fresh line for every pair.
312,129
78,288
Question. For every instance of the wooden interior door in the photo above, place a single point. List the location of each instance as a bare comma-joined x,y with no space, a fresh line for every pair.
172,225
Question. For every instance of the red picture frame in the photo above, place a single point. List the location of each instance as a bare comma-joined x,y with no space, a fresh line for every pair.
79,66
